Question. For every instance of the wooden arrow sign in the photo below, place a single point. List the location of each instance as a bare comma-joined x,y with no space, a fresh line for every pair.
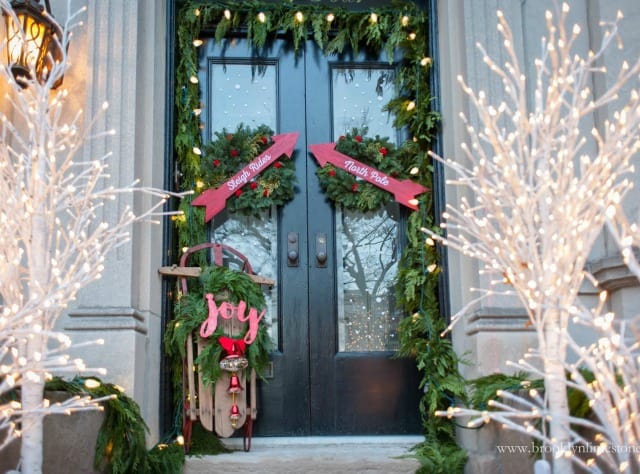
404,191
215,200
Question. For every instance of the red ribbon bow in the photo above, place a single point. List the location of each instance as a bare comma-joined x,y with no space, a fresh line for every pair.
233,347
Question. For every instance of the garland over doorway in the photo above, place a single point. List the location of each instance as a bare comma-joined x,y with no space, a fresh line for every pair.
398,26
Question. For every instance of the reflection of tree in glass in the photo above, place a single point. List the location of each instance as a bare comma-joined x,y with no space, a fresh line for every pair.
251,236
255,237
369,251
359,95
369,262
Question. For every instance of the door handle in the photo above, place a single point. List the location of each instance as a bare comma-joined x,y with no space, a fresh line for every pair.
321,250
292,249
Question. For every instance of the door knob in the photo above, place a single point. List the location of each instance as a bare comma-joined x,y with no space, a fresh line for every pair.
292,249
321,250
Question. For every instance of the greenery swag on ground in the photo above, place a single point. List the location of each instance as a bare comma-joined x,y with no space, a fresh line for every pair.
121,444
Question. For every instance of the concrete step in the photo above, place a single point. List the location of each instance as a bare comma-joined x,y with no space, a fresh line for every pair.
312,455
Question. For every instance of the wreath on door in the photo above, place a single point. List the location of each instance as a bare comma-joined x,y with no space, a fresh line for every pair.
219,161
230,152
353,193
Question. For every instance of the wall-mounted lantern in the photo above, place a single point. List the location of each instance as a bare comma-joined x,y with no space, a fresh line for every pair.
35,45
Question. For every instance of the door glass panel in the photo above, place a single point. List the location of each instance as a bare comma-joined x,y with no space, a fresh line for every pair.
358,97
368,251
366,243
242,92
255,237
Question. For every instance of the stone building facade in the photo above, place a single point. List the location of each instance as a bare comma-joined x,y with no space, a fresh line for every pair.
122,54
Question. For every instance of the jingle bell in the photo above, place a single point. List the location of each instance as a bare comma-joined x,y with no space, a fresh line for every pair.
234,384
235,415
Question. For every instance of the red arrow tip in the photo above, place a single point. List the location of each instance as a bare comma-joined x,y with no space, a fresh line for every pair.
322,152
286,142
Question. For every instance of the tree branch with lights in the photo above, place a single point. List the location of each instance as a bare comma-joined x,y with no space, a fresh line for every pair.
59,221
540,200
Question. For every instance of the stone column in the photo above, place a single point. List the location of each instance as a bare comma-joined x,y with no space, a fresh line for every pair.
119,56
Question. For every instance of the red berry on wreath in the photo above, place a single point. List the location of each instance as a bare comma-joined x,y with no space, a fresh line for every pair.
383,151
264,139
253,185
277,164
354,187
358,138
216,162
239,193
234,152
332,173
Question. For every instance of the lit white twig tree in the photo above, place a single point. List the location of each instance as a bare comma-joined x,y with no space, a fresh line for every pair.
540,202
55,210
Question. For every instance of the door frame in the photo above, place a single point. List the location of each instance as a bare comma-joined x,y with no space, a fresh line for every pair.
166,396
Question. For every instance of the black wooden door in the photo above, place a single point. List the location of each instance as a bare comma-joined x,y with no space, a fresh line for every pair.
334,370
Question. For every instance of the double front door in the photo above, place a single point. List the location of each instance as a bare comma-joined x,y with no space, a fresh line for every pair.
331,314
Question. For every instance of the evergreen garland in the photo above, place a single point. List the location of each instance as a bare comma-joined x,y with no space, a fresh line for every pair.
400,26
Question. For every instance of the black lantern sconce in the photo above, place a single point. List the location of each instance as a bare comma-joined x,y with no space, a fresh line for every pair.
33,46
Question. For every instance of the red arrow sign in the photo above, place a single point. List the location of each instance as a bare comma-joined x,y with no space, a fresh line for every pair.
215,200
404,191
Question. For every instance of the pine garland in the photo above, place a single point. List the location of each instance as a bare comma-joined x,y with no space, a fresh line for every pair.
400,26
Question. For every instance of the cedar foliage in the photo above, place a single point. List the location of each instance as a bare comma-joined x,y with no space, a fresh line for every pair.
121,444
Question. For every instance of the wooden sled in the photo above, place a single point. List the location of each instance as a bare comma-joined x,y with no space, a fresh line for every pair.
213,405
